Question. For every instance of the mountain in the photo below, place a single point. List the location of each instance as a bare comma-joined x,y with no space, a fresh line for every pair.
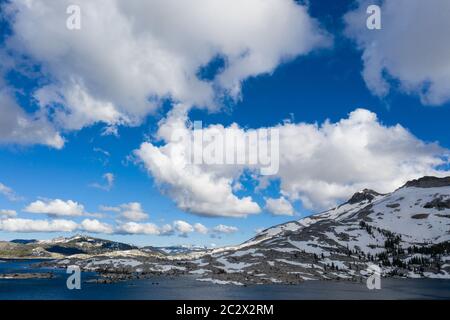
85,245
406,233
60,247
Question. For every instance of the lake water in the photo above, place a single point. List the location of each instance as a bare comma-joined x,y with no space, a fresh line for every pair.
162,288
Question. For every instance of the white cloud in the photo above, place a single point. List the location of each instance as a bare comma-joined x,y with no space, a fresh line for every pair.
412,47
7,213
95,226
162,46
109,182
197,189
180,227
280,206
9,223
56,207
200,228
19,127
183,227
8,193
221,228
166,230
138,228
28,225
321,165
133,211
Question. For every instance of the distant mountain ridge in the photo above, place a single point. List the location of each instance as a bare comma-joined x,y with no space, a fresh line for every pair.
60,247
85,245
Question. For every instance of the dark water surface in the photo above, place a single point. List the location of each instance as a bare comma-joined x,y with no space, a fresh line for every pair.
162,288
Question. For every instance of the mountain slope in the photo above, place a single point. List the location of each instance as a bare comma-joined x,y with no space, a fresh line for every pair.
406,232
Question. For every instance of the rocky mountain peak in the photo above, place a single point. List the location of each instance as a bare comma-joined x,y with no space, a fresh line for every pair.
366,194
428,182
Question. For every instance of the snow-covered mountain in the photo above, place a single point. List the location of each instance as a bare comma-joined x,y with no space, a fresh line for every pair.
406,233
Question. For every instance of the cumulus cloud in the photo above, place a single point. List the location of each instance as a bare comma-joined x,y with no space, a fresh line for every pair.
224,229
279,207
320,165
133,211
95,226
9,223
200,228
412,47
138,228
164,46
195,188
183,227
180,227
19,127
166,230
56,207
109,182
28,225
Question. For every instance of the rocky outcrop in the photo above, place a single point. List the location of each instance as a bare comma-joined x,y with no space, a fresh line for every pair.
366,194
429,182
439,203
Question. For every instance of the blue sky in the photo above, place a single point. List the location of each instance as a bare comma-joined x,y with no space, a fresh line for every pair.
324,83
